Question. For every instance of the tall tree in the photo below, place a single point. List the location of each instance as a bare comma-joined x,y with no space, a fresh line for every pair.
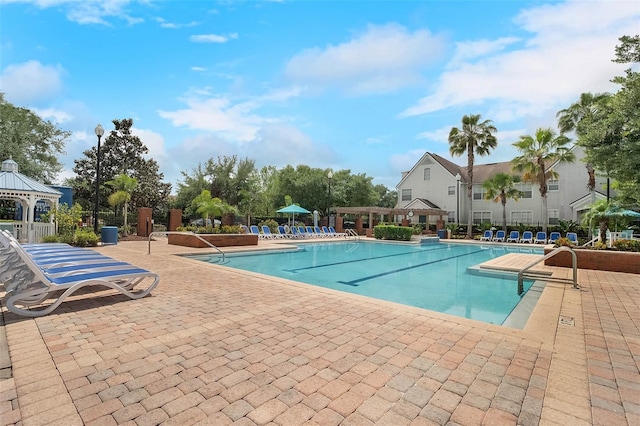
121,153
536,155
500,188
475,138
611,136
32,142
123,186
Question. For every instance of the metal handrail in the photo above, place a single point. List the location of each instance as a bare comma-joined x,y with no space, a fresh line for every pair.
574,262
352,233
184,233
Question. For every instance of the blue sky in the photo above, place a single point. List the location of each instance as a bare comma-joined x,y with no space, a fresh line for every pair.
362,85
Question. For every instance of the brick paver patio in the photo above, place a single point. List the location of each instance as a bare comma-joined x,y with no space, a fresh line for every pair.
216,346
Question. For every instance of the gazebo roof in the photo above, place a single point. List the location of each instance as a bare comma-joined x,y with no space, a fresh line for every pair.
11,180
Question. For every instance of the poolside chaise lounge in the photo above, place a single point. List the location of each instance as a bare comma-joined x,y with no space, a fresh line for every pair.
514,237
573,237
541,238
333,232
527,237
500,236
553,237
487,236
31,285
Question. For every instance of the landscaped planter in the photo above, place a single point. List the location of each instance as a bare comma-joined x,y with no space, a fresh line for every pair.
218,240
602,260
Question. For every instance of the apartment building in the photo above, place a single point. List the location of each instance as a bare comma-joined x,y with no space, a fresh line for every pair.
435,182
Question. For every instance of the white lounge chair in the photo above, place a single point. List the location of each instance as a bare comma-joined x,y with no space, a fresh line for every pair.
31,285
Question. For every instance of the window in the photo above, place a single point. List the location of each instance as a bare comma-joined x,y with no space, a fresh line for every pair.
481,217
525,189
451,217
427,173
524,217
553,185
406,195
452,190
478,192
554,217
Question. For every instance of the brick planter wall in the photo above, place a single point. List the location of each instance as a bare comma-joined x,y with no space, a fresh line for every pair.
602,260
218,240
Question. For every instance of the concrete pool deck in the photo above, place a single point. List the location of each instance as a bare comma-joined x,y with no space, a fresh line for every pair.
218,346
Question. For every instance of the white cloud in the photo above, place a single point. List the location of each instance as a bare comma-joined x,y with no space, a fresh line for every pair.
405,161
212,38
232,121
172,25
569,53
382,59
440,135
55,115
88,11
466,50
31,81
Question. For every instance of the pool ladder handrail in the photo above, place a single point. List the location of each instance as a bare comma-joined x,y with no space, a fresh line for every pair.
523,272
166,233
352,233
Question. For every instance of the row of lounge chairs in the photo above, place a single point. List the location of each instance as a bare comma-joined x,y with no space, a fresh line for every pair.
35,273
294,232
527,237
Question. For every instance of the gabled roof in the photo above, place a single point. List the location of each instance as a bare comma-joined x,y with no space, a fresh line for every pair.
11,180
421,203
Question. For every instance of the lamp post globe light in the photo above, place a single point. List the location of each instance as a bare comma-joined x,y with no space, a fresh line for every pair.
99,132
329,177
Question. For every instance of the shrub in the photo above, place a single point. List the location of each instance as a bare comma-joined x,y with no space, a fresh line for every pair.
627,245
564,241
50,239
272,224
599,245
224,229
418,228
85,238
392,232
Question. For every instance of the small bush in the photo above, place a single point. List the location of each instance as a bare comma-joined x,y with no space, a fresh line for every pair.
50,239
392,232
627,245
564,241
599,245
85,238
272,224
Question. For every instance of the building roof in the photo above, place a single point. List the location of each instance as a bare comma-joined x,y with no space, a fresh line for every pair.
11,180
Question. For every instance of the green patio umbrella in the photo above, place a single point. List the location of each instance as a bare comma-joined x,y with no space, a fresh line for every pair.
293,209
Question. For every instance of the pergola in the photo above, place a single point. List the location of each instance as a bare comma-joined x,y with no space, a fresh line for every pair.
26,191
383,211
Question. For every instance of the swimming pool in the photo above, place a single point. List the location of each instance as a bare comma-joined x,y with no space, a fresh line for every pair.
429,276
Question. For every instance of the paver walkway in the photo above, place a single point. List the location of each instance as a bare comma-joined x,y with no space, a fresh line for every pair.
217,346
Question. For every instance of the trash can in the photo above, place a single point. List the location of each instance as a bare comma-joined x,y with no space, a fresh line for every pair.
109,234
442,234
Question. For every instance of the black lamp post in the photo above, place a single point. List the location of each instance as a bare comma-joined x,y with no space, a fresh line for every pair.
329,176
99,132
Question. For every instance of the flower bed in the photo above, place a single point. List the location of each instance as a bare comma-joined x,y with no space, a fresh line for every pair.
218,240
602,260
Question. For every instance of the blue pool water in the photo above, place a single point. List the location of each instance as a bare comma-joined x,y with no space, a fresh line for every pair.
430,276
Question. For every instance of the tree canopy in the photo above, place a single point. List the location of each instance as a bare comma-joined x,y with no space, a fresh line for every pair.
32,142
121,153
610,132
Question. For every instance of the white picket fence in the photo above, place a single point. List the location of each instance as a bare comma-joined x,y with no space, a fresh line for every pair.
33,232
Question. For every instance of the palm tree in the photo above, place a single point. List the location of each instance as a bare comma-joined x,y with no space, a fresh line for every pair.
536,155
569,118
500,188
207,206
599,213
124,185
475,137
